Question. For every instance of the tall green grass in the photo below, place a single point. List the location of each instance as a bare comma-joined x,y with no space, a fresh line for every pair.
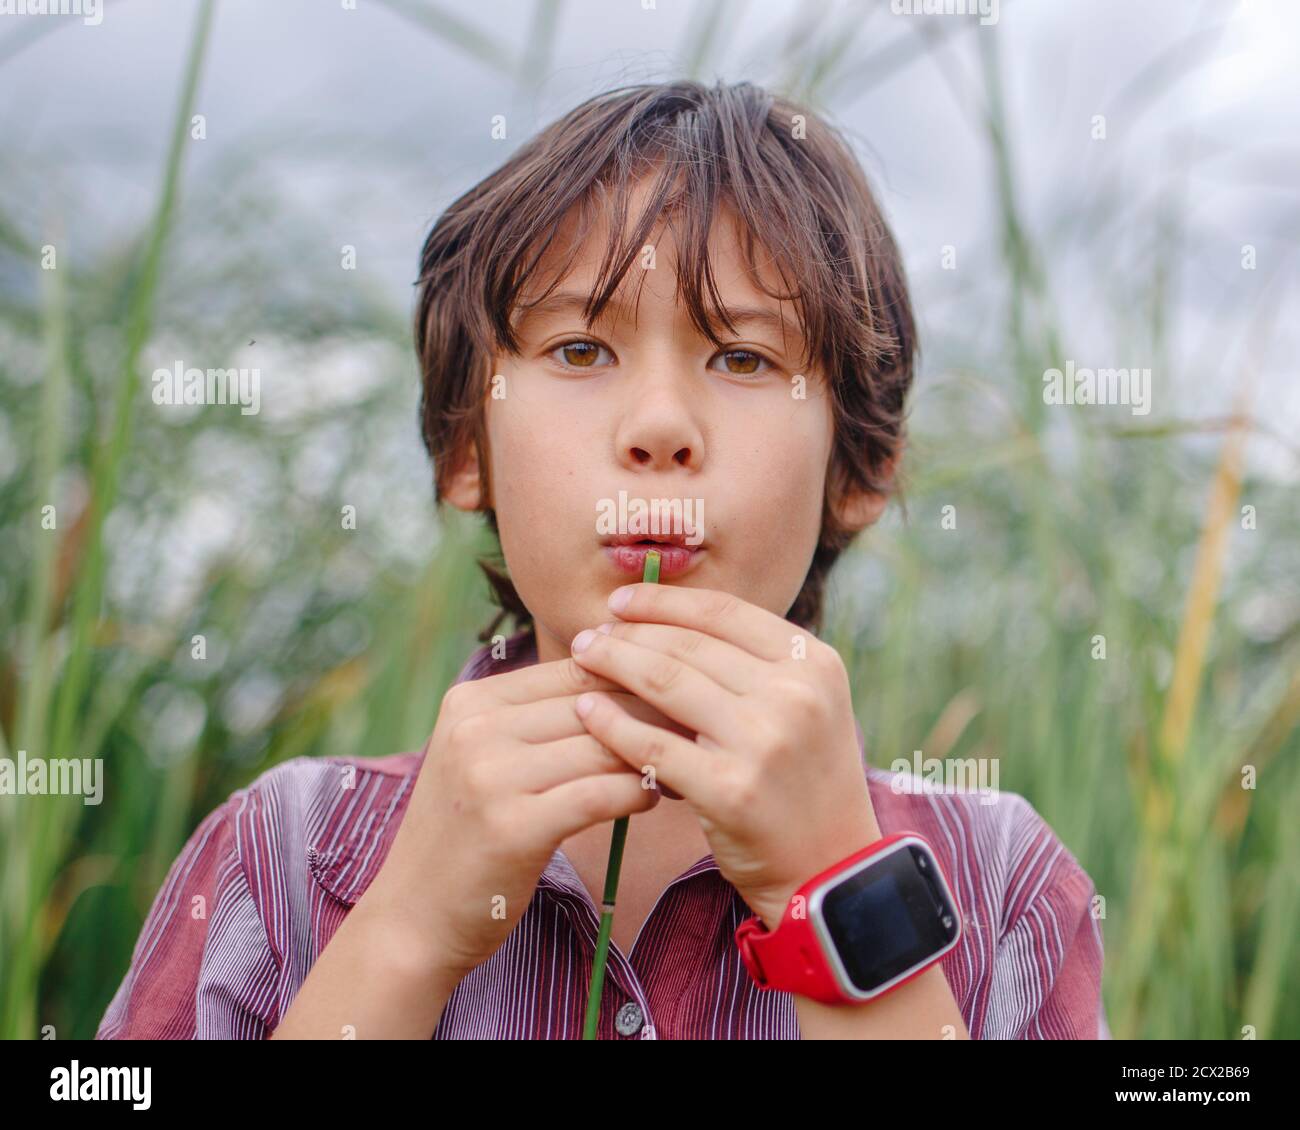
969,642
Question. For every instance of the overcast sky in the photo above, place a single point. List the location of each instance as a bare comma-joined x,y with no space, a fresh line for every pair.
373,125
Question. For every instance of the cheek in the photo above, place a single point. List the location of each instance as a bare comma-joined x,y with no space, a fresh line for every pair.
536,471
511,448
522,443
793,461
797,505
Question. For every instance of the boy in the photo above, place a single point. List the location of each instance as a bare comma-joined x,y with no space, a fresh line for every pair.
681,293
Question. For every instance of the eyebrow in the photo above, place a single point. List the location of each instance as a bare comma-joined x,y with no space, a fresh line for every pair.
572,302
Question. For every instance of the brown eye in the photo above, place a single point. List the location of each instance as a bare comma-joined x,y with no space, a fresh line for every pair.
578,354
743,362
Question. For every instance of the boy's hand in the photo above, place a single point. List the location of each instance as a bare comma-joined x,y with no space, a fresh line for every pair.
508,775
774,772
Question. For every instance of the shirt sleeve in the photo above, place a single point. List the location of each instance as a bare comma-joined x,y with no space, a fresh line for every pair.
1046,981
203,966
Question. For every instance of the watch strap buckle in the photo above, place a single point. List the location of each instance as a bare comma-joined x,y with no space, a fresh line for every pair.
746,934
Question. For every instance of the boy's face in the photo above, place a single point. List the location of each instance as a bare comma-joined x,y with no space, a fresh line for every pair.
642,403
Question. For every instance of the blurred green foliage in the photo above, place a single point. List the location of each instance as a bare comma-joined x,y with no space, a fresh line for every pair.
320,640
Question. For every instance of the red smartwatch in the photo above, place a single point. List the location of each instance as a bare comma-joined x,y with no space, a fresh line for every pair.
860,928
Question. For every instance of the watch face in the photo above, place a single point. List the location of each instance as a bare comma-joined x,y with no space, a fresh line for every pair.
892,915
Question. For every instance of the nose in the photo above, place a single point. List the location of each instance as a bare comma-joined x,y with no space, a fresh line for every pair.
660,428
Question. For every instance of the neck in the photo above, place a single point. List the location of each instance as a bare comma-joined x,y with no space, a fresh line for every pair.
550,647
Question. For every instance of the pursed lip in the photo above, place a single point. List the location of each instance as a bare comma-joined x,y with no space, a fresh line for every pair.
659,539
627,553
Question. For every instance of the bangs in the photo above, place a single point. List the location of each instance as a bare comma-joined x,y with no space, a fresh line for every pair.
734,149
687,208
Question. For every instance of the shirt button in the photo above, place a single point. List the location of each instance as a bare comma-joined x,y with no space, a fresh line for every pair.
629,1019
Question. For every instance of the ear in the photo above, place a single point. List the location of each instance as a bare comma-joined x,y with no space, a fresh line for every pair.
465,487
856,508
860,509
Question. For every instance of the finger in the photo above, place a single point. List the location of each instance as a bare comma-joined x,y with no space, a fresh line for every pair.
539,681
723,662
536,768
677,764
716,613
574,806
639,708
554,718
686,695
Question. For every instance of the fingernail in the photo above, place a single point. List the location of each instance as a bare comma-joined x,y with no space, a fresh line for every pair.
582,639
619,597
584,704
606,627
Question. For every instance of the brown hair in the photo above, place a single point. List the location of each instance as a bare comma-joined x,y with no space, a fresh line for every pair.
798,191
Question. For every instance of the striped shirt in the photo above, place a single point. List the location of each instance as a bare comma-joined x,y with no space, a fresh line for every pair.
265,880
